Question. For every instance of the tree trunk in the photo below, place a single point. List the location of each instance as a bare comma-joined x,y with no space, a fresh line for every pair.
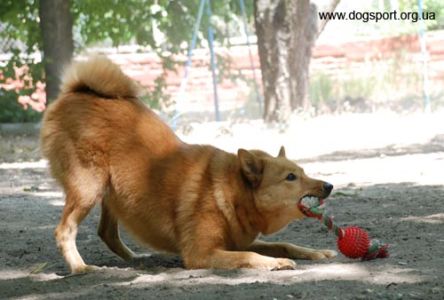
286,31
56,28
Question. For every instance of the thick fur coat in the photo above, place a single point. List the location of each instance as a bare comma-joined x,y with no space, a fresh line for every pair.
104,146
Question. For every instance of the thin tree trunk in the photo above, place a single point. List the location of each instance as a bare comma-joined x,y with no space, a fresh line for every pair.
304,30
272,33
286,31
56,27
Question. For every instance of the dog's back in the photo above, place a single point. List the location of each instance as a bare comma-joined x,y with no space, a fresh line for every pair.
97,112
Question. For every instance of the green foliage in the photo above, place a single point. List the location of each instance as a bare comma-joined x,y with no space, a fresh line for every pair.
393,83
358,87
156,99
124,21
321,89
138,21
24,70
408,24
164,26
12,112
21,23
21,34
429,6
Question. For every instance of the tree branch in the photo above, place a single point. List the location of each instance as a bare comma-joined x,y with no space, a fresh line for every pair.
331,8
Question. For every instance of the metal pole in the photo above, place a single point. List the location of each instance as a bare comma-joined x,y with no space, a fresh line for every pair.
184,82
424,54
244,19
213,61
194,38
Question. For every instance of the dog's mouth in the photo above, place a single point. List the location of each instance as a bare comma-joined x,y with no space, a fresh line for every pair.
306,203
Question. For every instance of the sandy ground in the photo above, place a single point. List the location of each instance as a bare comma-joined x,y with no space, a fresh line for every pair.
392,187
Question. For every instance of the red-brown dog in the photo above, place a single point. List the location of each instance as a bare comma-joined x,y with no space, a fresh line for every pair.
209,206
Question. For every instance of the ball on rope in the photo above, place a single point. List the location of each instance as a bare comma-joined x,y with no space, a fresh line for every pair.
353,241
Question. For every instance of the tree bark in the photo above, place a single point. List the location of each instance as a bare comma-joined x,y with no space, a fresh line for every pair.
56,28
286,31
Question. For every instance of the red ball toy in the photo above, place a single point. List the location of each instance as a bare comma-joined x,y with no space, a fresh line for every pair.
353,242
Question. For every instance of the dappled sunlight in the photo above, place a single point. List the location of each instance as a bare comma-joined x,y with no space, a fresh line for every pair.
363,149
56,286
57,202
310,137
430,219
54,198
41,164
361,272
29,273
426,170
46,276
12,274
343,271
48,194
122,280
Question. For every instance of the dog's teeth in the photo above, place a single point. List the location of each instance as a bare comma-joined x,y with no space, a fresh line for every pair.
310,201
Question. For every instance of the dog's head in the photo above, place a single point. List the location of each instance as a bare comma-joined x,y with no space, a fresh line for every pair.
278,185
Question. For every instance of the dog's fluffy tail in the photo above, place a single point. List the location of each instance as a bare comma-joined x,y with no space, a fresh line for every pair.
99,75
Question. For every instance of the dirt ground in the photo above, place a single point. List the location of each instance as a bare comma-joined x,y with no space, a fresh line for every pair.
395,193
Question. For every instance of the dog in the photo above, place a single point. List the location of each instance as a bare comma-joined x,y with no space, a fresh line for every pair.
104,146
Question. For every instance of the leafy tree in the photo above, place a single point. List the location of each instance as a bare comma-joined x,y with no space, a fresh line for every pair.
20,36
43,26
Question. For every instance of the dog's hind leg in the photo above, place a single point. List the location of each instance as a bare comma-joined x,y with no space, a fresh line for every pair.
83,190
109,233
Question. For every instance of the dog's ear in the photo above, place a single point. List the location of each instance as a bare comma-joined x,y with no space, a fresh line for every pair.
281,152
252,166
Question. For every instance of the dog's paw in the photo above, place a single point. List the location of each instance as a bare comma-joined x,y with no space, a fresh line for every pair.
138,260
322,254
83,269
283,264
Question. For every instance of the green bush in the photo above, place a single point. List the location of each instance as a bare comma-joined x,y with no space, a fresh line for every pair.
358,87
321,89
12,112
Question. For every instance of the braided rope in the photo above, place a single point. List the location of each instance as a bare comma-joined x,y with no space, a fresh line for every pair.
376,248
321,215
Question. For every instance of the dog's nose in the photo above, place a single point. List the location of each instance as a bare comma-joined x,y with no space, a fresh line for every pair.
328,187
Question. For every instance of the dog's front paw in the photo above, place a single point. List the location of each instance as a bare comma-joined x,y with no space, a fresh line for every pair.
322,254
283,264
83,269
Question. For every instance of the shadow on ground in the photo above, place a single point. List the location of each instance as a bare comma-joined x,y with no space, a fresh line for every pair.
408,216
436,144
405,215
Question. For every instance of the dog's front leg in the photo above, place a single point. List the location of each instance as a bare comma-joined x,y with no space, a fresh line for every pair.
289,250
222,259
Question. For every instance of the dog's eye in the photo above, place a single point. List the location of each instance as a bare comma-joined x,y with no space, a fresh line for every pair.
291,177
